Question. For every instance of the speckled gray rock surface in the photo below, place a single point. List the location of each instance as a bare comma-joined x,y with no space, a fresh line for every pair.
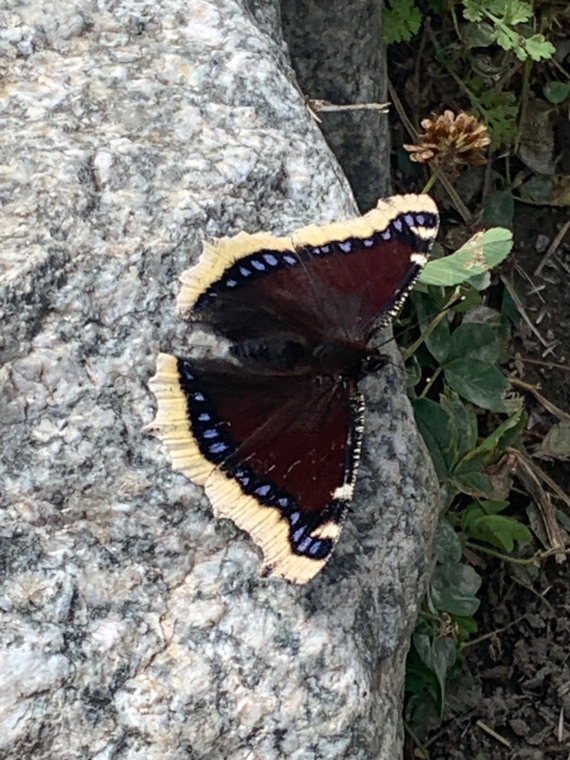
134,626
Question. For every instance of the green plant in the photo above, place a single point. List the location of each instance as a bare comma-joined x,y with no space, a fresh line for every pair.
488,56
469,419
507,23
401,22
480,45
503,22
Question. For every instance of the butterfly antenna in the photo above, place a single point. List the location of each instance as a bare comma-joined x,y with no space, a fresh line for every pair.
435,318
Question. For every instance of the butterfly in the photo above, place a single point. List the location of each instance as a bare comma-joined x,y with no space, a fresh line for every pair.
273,429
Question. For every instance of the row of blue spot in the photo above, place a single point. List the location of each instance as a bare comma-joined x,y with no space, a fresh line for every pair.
218,446
215,443
269,495
264,261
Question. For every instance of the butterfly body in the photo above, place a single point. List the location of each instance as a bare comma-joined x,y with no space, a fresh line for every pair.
273,432
340,359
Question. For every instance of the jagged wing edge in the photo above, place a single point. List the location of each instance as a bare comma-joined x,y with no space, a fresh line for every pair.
218,255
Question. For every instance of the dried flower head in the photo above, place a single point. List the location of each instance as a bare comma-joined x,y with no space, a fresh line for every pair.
451,141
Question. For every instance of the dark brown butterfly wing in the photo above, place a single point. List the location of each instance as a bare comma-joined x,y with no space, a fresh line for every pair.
276,454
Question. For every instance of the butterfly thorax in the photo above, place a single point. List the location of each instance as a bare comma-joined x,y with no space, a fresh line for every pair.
297,357
342,358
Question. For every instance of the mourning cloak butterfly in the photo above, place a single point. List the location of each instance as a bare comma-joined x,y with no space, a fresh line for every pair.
273,432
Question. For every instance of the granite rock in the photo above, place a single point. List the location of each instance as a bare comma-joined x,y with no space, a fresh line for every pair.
344,63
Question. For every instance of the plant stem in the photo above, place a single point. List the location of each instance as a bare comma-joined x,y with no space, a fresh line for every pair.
534,560
430,183
421,747
504,557
433,324
430,382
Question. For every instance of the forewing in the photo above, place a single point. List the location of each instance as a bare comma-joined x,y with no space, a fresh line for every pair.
324,282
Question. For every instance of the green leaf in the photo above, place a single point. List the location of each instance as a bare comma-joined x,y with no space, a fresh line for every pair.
471,513
439,433
513,11
500,109
493,506
437,343
499,530
401,22
427,307
413,374
418,675
465,421
482,521
470,298
474,483
472,11
467,624
484,251
506,17
454,589
537,47
479,382
495,444
556,92
484,315
478,35
508,39
447,548
439,655
537,189
481,281
509,309
499,208
475,341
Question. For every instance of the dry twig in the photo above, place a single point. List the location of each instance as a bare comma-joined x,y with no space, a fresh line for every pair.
553,247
